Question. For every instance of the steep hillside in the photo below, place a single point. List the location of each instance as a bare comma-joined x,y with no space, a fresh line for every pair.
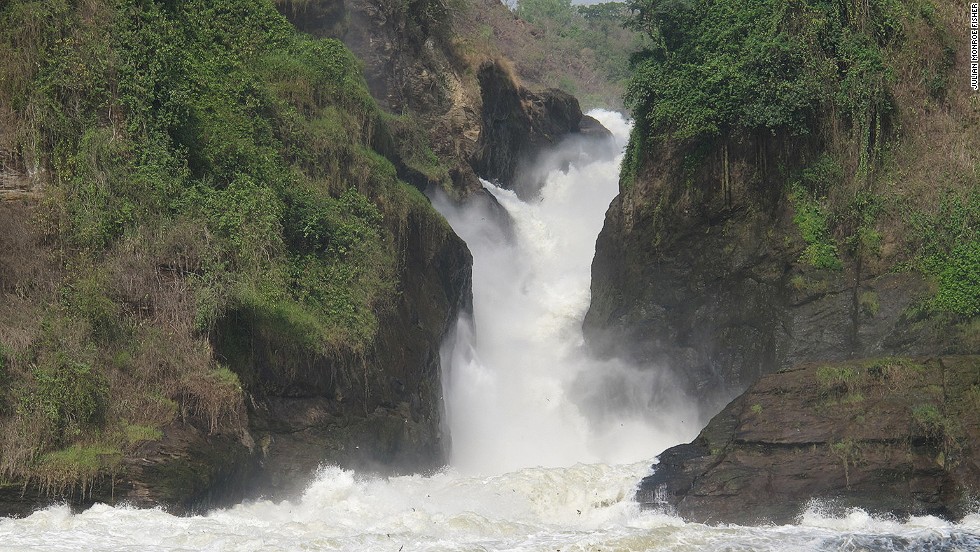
423,60
802,186
216,272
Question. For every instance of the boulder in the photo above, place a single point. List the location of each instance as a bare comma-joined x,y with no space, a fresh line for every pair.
893,436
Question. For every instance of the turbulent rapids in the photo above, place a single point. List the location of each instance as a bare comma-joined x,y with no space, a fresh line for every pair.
547,445
581,508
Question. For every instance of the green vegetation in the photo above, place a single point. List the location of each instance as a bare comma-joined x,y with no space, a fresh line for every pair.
849,86
835,376
841,385
959,280
949,249
849,452
77,465
198,159
67,397
811,219
940,427
868,301
723,66
136,434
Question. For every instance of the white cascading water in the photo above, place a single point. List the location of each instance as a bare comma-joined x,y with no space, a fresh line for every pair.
520,391
548,446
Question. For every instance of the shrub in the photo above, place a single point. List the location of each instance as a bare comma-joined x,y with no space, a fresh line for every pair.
87,299
836,377
959,281
938,426
68,396
215,394
948,248
868,301
811,219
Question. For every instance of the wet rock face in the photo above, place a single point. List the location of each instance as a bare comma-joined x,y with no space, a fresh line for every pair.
519,125
376,411
891,436
698,270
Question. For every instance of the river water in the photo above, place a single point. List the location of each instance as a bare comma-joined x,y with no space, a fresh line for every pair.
547,445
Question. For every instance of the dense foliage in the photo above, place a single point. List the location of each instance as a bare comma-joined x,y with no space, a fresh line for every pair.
199,156
845,78
723,65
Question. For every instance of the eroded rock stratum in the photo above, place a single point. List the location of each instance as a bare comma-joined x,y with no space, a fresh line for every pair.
892,436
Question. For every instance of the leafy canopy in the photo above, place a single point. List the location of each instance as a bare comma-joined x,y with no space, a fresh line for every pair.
721,65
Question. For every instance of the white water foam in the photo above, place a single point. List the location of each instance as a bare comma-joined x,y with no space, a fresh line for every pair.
578,508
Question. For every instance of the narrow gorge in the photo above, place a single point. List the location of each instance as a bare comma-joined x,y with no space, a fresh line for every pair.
432,275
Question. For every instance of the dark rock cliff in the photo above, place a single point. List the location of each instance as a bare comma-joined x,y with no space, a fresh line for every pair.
519,125
376,410
698,269
893,436
700,272
707,267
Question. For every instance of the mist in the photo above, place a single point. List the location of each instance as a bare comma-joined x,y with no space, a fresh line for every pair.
520,388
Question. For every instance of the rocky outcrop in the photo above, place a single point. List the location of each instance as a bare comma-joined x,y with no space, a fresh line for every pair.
410,67
192,466
891,436
519,125
698,268
189,470
487,126
379,410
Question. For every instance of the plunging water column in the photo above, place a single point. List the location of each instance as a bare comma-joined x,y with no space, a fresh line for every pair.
520,389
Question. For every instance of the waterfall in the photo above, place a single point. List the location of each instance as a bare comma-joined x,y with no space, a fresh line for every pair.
521,391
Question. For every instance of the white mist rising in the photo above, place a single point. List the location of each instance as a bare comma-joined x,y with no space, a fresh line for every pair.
520,389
